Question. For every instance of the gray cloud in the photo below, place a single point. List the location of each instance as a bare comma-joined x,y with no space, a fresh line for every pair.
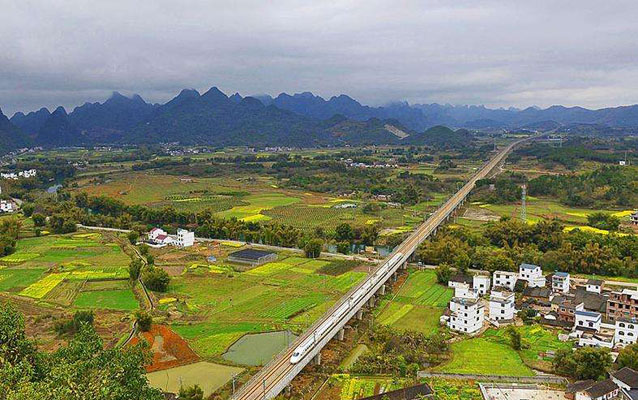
492,52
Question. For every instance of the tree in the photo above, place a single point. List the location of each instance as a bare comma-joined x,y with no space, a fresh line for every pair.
583,363
443,273
156,279
38,219
134,268
83,369
343,247
144,320
462,262
515,337
191,393
344,232
133,236
312,249
27,209
628,357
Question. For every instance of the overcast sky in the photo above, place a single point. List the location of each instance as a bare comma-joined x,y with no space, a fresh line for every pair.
497,53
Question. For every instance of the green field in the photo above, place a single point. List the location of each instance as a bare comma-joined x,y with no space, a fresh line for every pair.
56,268
286,294
109,299
482,356
356,387
536,340
451,389
418,305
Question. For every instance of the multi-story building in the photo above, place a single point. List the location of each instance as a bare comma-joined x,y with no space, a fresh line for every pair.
464,291
567,310
622,304
531,273
626,331
502,305
633,218
505,279
587,320
467,315
481,283
560,282
185,238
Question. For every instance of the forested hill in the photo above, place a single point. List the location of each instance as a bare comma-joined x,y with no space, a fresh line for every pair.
213,118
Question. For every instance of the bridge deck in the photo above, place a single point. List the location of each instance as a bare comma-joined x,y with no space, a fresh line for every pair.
277,374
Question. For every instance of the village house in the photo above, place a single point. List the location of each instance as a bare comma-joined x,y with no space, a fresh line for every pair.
505,279
502,305
7,206
626,331
467,315
464,291
532,274
622,304
627,380
633,218
560,282
567,310
459,280
594,285
481,283
587,320
185,238
603,390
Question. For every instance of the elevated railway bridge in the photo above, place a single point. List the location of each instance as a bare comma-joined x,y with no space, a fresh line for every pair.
281,370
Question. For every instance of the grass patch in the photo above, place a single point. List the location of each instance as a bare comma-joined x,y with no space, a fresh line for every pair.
109,299
482,356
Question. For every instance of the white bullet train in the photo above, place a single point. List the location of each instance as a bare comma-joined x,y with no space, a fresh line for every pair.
354,299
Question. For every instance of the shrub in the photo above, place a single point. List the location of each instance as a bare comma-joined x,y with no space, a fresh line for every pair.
156,279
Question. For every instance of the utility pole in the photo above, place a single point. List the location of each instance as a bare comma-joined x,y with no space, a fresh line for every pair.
523,204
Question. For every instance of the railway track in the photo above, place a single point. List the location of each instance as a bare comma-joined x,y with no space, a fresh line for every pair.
277,374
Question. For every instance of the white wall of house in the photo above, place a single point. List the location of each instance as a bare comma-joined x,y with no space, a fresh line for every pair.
587,319
626,332
502,305
560,283
504,278
593,288
481,283
467,316
185,238
533,274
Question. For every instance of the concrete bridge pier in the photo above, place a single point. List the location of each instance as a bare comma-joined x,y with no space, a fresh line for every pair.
382,290
371,302
340,334
360,315
317,359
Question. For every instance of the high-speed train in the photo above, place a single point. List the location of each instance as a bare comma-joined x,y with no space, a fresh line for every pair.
354,299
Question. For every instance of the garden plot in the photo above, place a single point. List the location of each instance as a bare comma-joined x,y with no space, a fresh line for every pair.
281,295
418,304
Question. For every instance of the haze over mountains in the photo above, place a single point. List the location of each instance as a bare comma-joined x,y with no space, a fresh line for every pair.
303,119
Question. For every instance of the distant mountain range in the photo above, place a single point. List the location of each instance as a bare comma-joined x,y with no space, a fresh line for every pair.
303,119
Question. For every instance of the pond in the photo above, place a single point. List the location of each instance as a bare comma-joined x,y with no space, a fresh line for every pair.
258,348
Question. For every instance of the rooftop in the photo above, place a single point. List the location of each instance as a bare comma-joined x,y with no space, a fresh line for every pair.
409,393
601,388
250,254
561,274
588,314
528,266
627,376
594,282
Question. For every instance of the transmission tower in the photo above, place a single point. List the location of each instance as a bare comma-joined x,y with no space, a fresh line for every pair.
523,204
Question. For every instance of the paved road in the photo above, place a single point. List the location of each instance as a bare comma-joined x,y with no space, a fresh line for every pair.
268,382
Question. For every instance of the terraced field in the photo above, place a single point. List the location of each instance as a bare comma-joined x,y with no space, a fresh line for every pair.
418,304
84,270
286,294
